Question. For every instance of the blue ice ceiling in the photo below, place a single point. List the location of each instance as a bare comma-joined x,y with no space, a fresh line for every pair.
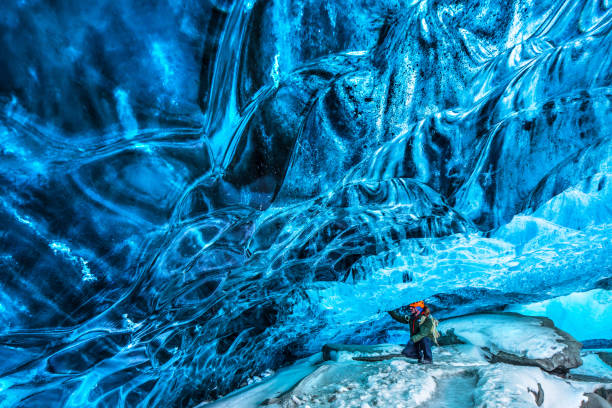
193,192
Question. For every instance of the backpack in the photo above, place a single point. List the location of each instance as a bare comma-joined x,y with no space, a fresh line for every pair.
434,327
435,334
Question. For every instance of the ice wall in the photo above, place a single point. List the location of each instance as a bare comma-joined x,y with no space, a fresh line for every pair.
585,315
195,192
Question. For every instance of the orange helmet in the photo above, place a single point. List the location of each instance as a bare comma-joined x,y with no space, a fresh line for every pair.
418,306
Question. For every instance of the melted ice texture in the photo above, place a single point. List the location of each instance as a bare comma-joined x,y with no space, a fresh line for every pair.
193,193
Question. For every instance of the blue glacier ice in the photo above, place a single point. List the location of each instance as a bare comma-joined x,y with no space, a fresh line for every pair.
568,313
195,192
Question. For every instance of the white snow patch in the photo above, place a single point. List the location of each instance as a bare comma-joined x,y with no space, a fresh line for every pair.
521,336
507,386
395,383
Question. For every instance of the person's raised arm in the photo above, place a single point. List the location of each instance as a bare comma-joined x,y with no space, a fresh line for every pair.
399,317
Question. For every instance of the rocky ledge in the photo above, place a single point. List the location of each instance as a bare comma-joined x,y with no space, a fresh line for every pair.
516,339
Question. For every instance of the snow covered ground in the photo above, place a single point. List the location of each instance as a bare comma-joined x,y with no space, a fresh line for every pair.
463,375
460,377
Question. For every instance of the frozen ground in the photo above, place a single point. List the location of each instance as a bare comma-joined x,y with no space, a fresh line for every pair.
463,375
460,377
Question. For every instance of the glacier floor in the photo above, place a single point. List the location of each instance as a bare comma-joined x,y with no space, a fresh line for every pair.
462,375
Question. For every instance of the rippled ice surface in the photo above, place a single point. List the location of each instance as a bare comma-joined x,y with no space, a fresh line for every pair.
193,193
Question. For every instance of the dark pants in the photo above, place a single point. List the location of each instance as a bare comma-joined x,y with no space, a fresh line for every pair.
420,350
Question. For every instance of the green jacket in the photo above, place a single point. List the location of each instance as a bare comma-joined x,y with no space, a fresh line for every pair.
426,329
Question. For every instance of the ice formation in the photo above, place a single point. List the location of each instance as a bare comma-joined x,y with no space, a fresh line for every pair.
194,193
569,312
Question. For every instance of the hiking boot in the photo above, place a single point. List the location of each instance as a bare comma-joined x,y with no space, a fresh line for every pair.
425,362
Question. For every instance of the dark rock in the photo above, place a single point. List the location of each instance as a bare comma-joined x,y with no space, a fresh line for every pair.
605,393
449,338
566,359
539,395
378,358
606,357
594,401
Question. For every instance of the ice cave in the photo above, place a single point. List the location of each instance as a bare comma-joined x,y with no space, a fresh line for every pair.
233,203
